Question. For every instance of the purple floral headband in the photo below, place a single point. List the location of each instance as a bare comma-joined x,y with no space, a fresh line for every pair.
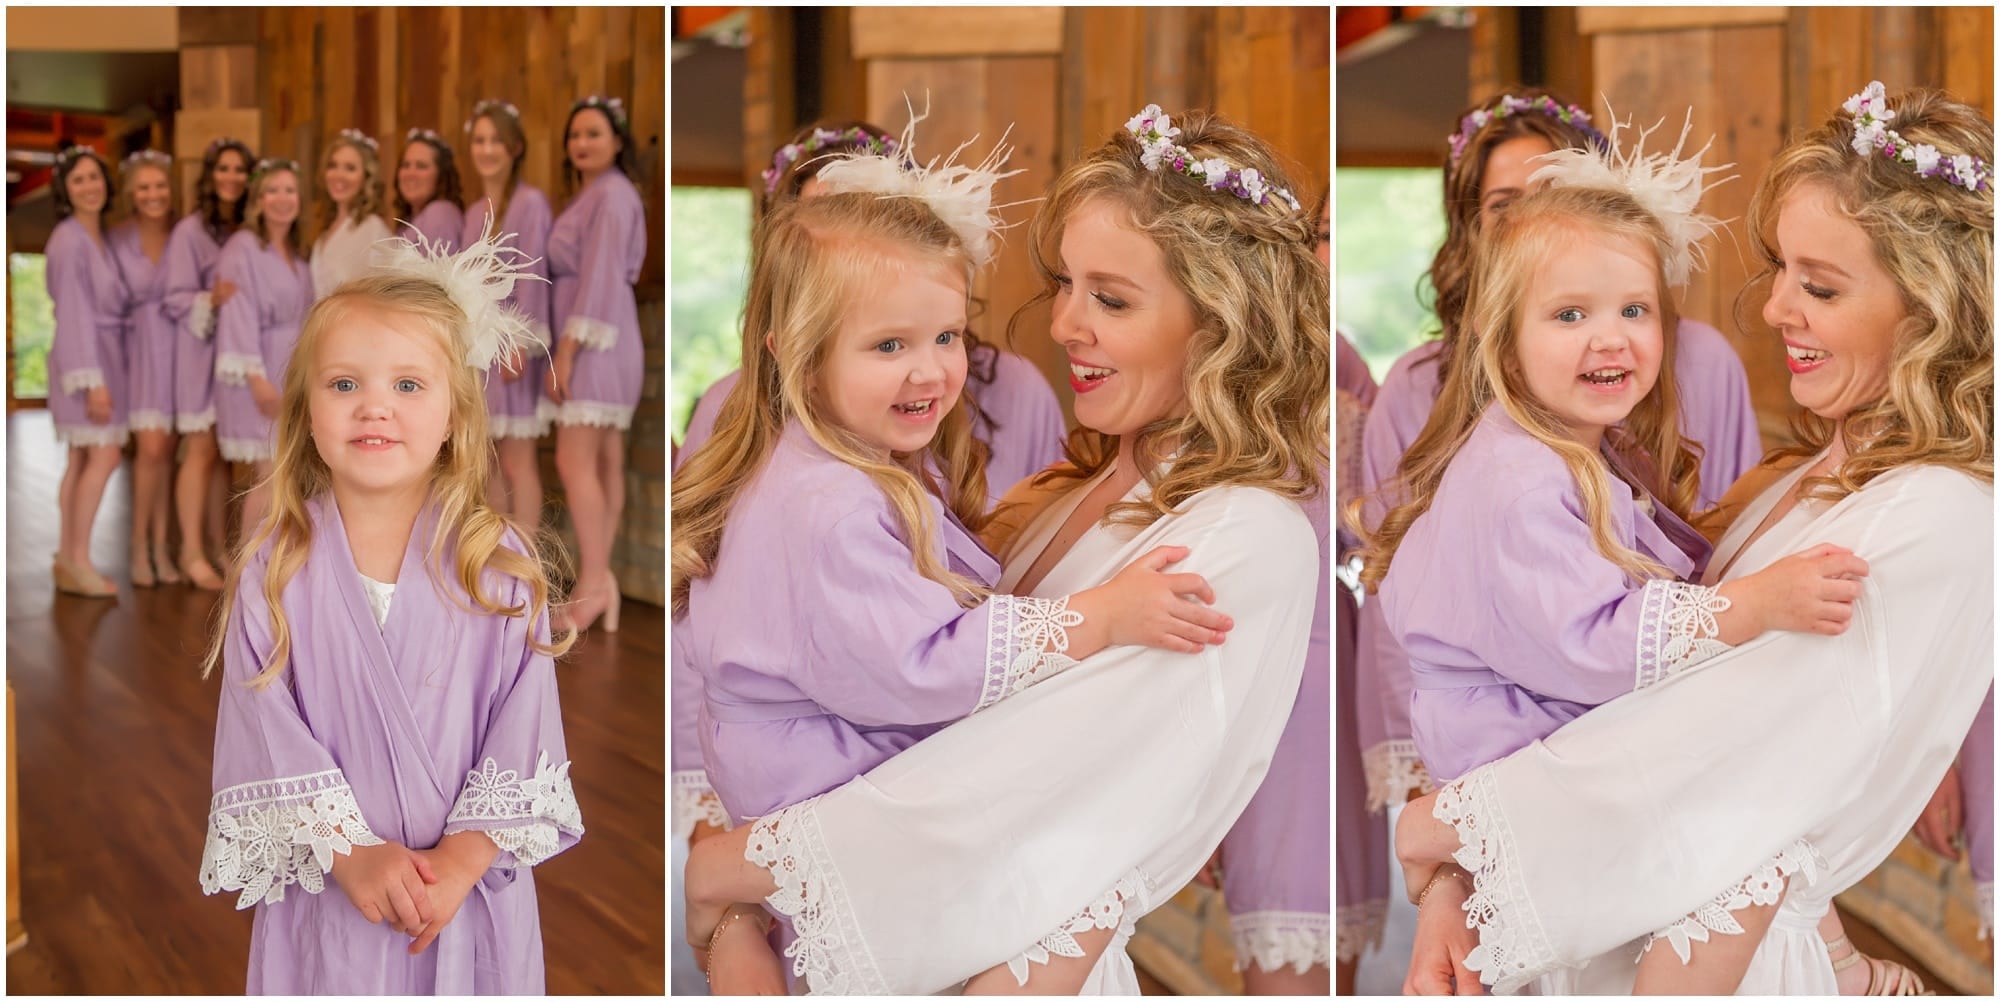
1508,104
427,135
1872,134
824,139
219,142
144,157
269,164
610,106
1156,133
492,106
357,136
70,154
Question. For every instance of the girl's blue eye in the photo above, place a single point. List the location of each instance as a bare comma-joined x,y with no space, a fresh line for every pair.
889,347
1634,311
408,385
344,385
946,337
1569,315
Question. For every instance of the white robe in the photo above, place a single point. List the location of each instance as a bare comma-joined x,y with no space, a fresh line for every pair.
1089,799
1792,755
344,252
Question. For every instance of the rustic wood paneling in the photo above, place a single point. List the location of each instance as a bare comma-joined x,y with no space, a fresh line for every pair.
904,32
218,25
1591,20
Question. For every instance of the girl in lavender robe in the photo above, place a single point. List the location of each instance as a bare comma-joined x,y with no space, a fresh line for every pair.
348,215
514,385
138,247
255,330
389,755
428,192
594,379
193,294
88,391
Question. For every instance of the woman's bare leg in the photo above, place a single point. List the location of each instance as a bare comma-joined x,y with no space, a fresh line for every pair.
1060,976
1715,967
521,470
1287,981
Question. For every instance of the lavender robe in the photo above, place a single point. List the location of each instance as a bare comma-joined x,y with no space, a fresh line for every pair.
254,334
190,273
595,250
511,406
149,335
89,345
1513,622
1975,776
441,222
439,721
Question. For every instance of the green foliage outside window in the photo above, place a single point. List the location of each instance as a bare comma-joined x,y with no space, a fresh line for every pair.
34,324
711,272
1388,224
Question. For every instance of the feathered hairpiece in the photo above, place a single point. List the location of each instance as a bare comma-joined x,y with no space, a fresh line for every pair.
479,279
961,196
1663,184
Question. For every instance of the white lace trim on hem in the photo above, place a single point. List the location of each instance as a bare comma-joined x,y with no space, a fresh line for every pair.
584,412
1026,642
201,316
1109,911
1762,887
1677,630
150,421
195,424
1985,894
243,450
92,434
526,818
829,954
236,369
1299,940
511,426
264,837
79,380
588,333
696,802
1513,948
1355,929
1394,769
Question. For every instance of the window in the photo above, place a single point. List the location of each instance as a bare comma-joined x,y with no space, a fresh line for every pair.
34,325
1388,224
711,273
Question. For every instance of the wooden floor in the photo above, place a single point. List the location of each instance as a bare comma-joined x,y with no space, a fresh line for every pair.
116,731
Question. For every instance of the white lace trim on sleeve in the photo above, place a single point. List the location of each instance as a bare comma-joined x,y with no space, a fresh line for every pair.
1513,948
236,368
1026,641
1394,770
1303,940
1762,887
525,817
201,316
79,380
1109,911
264,837
696,802
588,333
1677,629
829,953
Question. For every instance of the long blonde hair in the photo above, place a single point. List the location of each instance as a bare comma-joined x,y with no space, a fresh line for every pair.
466,526
1936,240
811,258
367,201
1257,364
1504,265
253,211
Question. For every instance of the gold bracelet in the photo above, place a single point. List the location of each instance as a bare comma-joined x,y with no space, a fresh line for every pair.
1442,872
735,912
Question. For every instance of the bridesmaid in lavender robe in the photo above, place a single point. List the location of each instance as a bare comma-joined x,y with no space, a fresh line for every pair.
87,385
595,250
428,192
403,717
138,247
1975,772
256,329
192,295
513,393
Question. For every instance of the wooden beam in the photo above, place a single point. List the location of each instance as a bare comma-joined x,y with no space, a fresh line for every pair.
1596,20
957,31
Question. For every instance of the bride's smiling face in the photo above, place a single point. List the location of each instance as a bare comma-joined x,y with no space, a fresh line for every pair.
1122,320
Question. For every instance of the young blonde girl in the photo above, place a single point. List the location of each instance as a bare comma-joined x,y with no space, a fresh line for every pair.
389,723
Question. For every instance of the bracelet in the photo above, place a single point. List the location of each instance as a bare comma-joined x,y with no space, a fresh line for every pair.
1443,872
764,928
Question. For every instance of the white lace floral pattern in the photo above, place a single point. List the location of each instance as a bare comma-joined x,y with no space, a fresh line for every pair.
243,450
696,802
201,316
1394,769
264,837
583,412
1025,643
519,426
79,380
150,420
92,434
1513,948
588,333
1301,940
1109,911
195,423
1762,887
1677,629
829,953
236,368
536,812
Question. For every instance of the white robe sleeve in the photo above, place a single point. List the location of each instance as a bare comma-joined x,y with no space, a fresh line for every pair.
1110,783
1793,755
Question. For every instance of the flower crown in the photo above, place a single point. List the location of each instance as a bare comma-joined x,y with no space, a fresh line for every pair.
824,139
1872,134
142,157
492,106
1666,186
1156,133
612,107
478,279
218,143
72,152
427,135
1508,104
358,136
269,164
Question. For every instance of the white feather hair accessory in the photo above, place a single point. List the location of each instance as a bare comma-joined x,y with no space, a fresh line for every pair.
1663,184
479,279
962,196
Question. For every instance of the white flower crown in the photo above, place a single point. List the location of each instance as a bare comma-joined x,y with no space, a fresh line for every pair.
1872,135
1156,131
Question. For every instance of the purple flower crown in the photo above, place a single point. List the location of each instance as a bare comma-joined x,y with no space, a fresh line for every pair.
1872,135
610,106
269,164
72,152
1508,104
430,136
1155,132
824,139
492,106
357,136
219,142
141,157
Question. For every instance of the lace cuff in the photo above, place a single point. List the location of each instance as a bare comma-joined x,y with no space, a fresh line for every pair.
1301,940
695,802
264,837
1513,948
529,819
1394,769
1763,887
1026,641
1107,912
79,380
588,333
201,316
583,412
829,953
542,334
1677,630
236,369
